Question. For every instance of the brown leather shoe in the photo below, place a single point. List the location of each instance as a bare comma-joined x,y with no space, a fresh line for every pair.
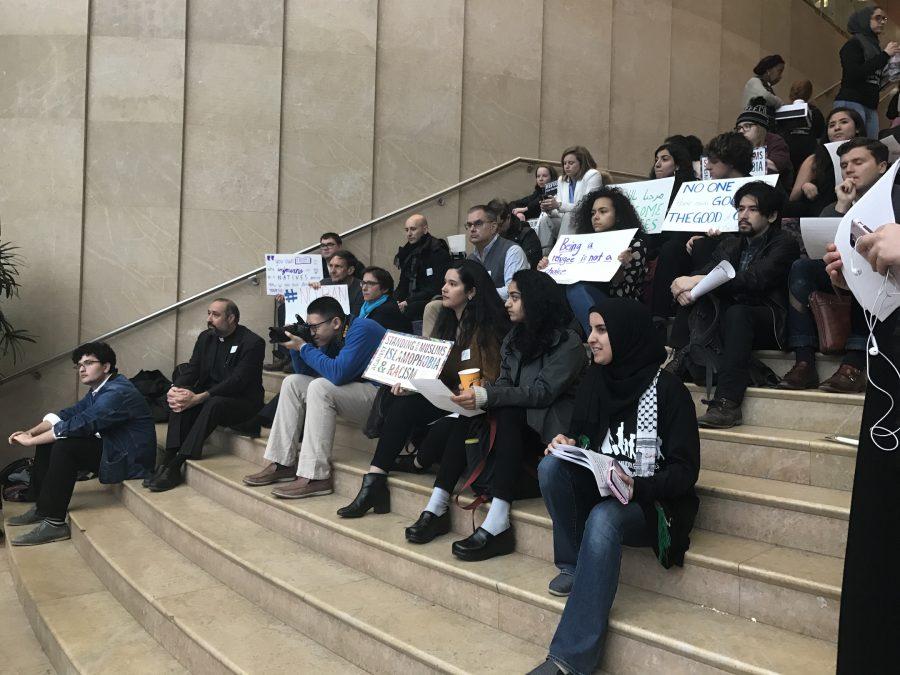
802,376
847,380
274,473
304,487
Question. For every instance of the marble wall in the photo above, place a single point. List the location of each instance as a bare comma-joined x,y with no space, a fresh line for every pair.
152,148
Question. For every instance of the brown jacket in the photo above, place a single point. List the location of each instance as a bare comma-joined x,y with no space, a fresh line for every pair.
488,362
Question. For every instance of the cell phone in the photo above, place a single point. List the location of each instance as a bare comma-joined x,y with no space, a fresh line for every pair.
616,485
857,230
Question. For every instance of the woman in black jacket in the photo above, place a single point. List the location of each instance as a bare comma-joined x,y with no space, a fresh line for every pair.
531,401
629,410
530,206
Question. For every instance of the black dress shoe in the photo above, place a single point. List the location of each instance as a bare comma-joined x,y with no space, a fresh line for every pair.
427,527
407,464
156,474
373,494
482,545
168,479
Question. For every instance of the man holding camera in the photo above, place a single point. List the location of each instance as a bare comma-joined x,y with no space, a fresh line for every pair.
220,386
308,405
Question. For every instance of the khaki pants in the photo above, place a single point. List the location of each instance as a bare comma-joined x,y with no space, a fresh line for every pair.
308,408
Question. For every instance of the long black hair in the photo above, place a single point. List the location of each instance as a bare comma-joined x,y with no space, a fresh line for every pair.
484,313
626,215
546,313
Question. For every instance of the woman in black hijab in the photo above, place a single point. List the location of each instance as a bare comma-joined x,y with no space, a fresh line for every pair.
643,417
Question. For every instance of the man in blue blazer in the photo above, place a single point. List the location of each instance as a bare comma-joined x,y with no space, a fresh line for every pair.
110,432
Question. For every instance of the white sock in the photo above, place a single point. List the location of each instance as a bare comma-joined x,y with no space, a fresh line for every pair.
439,502
497,518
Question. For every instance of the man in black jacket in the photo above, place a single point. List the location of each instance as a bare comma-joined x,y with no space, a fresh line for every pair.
510,227
220,385
753,305
422,262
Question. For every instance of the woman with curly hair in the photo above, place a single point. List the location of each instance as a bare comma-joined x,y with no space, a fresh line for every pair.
606,210
530,402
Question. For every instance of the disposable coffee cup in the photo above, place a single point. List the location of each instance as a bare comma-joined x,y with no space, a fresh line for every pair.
468,377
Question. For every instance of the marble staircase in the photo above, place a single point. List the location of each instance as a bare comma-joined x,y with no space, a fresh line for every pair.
216,576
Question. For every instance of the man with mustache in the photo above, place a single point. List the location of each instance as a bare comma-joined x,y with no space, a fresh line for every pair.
220,386
752,306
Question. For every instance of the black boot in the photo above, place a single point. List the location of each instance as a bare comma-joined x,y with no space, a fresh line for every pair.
373,494
168,479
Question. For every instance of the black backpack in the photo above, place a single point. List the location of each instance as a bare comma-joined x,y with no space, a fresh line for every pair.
153,386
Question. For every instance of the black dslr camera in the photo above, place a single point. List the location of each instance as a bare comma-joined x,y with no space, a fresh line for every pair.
300,329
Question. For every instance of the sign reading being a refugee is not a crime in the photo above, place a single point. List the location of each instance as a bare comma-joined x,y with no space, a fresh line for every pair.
401,357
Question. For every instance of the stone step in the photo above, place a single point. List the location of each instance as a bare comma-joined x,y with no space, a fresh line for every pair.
782,409
376,626
207,626
80,625
650,632
805,457
20,651
741,576
781,362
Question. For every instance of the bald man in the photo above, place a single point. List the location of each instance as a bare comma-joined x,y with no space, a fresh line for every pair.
422,262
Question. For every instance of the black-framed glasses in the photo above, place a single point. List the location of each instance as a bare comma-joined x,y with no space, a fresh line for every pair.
477,224
84,364
368,284
314,327
880,19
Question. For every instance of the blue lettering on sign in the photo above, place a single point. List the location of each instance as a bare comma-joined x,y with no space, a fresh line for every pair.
290,295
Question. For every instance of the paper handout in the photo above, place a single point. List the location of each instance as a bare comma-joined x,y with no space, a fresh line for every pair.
597,464
718,275
817,233
439,396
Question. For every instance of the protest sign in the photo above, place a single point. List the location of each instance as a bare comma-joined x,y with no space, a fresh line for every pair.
817,233
707,205
704,168
759,162
650,199
835,160
588,257
298,295
401,358
284,266
878,294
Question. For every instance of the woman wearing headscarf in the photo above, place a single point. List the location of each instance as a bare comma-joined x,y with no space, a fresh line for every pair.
862,60
766,75
627,409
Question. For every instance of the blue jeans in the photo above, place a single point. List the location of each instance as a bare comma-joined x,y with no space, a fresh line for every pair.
582,296
807,276
588,534
869,115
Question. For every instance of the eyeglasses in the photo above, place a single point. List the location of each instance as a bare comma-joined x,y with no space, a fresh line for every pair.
741,128
84,364
368,284
477,224
880,19
314,327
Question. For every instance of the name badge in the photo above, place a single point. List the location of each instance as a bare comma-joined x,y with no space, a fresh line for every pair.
233,349
466,355
429,272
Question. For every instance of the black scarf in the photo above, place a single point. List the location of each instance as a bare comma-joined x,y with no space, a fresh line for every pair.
607,393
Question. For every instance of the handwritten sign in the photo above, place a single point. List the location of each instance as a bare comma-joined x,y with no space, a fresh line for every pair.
759,162
707,205
298,295
650,199
588,257
281,267
401,358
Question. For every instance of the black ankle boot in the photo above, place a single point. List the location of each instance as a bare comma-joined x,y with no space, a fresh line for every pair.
373,494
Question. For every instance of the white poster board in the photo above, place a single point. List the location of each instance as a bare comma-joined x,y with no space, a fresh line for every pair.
281,267
817,233
707,204
650,199
759,162
835,160
401,358
588,257
298,295
875,208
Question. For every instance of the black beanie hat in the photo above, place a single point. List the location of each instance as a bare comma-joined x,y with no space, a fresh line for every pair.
756,113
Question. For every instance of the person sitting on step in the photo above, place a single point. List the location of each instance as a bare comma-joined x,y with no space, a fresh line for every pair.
342,270
220,386
422,262
474,319
109,432
627,409
530,403
308,406
752,307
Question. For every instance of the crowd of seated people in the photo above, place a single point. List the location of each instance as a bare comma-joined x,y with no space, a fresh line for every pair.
623,396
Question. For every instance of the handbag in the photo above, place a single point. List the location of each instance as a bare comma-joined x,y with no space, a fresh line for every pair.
832,315
378,413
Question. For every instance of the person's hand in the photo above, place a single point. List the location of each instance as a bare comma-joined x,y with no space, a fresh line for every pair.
543,263
397,390
12,437
626,256
315,285
892,48
177,395
628,480
22,438
835,267
559,439
465,399
682,285
549,204
845,193
402,305
809,190
293,342
881,248
690,242
279,299
770,166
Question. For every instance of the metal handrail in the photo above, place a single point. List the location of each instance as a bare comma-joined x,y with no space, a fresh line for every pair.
252,273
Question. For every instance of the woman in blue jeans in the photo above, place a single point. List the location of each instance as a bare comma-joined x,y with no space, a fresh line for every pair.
628,409
605,210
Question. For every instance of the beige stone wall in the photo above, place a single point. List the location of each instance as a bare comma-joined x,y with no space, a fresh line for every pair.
151,148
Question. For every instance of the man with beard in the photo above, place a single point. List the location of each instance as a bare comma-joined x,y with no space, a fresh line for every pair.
422,262
221,385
